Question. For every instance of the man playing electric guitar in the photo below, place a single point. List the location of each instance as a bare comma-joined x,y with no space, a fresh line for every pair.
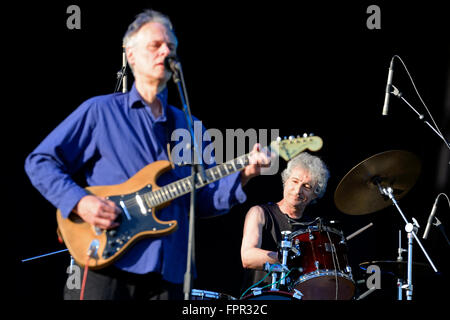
110,138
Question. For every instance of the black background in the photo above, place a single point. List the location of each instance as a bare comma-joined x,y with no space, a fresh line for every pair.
306,67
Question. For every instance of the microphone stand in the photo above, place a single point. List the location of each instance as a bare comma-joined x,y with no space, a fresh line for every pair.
399,95
122,77
441,228
195,169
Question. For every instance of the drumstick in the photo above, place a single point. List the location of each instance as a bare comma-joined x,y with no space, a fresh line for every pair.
359,231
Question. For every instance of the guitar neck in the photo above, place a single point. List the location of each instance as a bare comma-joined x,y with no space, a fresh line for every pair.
183,186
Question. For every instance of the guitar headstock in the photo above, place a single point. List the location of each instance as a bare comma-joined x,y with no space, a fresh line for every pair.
288,148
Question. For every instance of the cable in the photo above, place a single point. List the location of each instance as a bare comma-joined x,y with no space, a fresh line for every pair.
418,94
83,284
333,255
252,286
445,195
270,284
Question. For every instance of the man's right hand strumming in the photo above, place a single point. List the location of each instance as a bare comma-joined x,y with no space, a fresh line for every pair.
98,211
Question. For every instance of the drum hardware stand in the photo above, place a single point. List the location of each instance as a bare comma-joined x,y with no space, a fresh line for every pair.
286,245
411,229
400,259
276,268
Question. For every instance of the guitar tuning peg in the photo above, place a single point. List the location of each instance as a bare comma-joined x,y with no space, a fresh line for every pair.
311,134
305,135
278,139
285,137
291,138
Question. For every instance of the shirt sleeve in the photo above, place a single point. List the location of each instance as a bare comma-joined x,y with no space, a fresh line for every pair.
219,197
51,166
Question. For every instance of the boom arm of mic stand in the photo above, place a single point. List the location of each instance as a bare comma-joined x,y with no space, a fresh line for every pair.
388,192
399,95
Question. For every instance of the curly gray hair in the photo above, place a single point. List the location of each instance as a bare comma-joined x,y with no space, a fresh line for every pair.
315,166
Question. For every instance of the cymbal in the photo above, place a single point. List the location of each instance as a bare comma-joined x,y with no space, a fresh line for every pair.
358,192
398,268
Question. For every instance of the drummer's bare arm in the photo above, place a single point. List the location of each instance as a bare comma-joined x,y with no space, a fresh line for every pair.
252,256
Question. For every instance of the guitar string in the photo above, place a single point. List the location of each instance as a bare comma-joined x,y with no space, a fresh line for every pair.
164,194
167,189
159,196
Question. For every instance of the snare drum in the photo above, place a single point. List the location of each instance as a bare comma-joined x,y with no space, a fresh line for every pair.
324,270
209,295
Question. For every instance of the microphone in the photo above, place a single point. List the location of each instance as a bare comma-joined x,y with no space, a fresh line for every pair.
172,64
430,219
388,88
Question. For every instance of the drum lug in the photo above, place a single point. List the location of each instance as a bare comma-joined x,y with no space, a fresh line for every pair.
316,264
256,291
297,294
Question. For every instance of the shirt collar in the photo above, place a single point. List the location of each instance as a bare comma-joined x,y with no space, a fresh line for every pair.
135,100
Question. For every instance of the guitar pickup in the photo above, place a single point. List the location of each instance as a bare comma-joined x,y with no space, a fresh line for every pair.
141,205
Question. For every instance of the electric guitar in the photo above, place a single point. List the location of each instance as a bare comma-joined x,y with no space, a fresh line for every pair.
140,197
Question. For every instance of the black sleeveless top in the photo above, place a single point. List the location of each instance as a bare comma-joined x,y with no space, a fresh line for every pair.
275,222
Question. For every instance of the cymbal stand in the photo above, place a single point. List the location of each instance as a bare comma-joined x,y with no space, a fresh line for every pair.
400,259
411,230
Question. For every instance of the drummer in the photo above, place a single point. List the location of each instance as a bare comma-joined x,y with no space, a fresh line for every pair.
304,181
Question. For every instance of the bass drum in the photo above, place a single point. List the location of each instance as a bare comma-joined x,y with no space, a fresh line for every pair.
209,295
272,295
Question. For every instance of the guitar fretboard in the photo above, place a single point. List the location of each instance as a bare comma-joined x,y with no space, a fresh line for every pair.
183,186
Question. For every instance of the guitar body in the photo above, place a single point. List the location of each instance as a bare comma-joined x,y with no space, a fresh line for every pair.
137,220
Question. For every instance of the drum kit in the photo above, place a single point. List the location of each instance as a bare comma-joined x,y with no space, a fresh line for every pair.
314,262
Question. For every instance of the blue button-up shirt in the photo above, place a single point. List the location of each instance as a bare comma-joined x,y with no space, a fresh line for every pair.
108,139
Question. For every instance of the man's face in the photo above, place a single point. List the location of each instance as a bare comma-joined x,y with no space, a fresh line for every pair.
299,188
150,47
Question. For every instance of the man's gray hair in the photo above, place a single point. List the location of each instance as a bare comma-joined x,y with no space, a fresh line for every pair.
315,166
142,19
